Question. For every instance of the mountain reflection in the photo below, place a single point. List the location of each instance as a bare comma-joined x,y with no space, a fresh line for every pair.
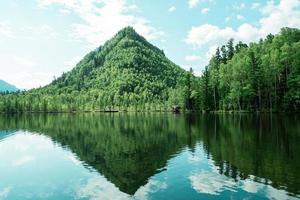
128,149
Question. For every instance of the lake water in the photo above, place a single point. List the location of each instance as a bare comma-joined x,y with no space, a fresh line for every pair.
149,156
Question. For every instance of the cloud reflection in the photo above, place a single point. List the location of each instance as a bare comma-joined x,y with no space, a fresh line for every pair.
22,160
98,187
270,192
4,192
211,183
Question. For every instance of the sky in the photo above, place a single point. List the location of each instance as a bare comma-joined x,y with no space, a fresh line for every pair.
41,39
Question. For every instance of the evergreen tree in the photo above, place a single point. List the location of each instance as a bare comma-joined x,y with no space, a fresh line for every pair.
230,49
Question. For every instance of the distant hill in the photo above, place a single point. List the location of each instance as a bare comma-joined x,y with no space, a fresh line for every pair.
4,86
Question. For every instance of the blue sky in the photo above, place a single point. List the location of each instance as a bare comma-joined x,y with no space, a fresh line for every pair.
40,39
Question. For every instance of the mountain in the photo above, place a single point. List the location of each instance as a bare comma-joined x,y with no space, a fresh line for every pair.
126,73
4,86
125,64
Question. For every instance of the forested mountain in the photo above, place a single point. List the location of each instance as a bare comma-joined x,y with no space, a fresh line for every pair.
126,73
263,76
129,73
4,87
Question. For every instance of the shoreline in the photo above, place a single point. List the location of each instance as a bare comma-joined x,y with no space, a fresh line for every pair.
154,111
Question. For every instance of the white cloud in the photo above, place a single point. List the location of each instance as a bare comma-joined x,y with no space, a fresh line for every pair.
33,80
284,14
195,68
211,51
101,20
205,10
72,62
46,28
172,9
192,58
193,3
24,62
64,11
47,31
240,17
208,34
29,75
239,7
35,33
255,5
5,29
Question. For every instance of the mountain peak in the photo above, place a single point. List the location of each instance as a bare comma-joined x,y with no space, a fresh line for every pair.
129,32
118,72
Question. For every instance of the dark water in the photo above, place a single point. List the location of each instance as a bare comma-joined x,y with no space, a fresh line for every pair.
149,156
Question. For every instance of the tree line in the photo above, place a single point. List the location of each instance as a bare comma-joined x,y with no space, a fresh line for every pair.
100,100
263,76
129,74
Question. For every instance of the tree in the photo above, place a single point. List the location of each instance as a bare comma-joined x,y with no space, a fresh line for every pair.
230,49
224,54
262,76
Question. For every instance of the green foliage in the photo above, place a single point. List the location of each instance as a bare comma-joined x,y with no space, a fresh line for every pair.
258,77
129,73
126,73
129,148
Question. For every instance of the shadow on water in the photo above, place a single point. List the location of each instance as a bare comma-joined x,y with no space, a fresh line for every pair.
130,148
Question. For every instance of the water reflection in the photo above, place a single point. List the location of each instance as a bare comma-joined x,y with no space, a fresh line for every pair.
162,155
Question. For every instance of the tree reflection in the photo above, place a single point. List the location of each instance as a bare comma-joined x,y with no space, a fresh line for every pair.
130,148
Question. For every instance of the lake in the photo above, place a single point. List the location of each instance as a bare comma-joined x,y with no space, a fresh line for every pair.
149,156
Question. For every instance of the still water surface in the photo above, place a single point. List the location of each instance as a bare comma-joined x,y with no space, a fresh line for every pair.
149,156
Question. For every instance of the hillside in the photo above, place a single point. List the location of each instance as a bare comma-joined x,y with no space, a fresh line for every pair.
129,73
4,86
126,73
